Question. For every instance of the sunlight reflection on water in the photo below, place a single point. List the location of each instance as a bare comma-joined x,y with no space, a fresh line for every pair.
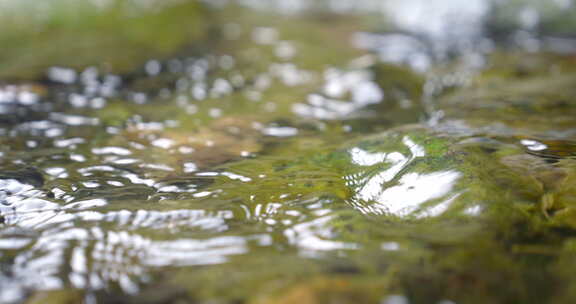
389,190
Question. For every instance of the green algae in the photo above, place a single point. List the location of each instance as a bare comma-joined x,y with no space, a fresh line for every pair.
534,100
56,296
480,211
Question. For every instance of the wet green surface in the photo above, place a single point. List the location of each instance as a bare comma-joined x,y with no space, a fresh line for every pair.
117,36
187,152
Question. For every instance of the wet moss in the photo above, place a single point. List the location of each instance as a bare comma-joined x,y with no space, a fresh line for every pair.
64,296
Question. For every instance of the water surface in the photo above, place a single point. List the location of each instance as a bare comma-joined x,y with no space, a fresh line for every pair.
287,152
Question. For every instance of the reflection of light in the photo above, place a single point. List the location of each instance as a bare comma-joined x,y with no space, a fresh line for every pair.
265,35
290,74
18,94
364,158
396,299
63,143
280,131
372,188
315,235
202,194
437,209
164,143
396,48
367,93
409,192
436,17
413,190
220,88
473,210
13,243
78,157
62,75
86,204
533,145
153,67
430,30
57,172
195,252
112,150
415,149
190,167
529,18
390,246
357,84
236,176
161,167
94,257
98,257
285,50
73,120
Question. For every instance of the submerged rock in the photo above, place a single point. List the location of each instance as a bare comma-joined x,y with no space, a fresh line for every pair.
27,175
526,109
533,106
545,18
516,94
407,205
410,173
223,140
323,290
63,296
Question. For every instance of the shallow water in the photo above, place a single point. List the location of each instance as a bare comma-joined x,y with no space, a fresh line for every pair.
287,152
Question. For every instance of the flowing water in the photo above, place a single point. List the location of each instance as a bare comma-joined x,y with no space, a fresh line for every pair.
256,151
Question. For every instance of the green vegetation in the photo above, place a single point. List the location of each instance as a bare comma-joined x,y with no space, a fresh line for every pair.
117,36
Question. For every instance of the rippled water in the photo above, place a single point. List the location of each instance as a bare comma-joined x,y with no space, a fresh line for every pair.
328,152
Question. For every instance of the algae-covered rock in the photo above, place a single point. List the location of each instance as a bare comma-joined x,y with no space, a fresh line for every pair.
221,141
409,173
59,296
519,106
400,83
326,290
407,205
418,173
556,18
450,194
403,90
116,35
517,94
530,106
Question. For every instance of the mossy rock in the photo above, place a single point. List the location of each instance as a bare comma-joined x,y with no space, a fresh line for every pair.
422,205
326,290
553,18
60,296
532,106
411,174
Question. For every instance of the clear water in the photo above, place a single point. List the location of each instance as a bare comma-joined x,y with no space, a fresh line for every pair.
287,152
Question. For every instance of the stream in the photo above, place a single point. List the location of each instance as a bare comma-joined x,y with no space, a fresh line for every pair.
268,151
